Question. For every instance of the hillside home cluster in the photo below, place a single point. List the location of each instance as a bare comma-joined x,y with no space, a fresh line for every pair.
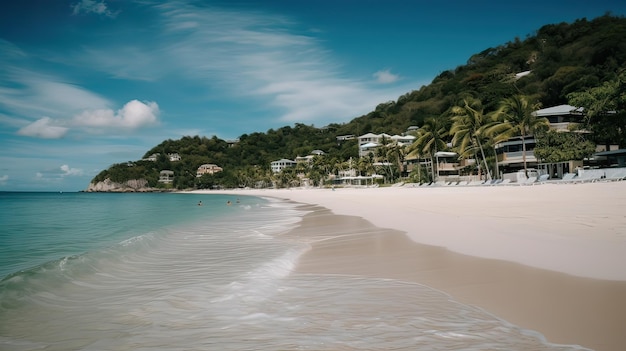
166,176
279,165
509,153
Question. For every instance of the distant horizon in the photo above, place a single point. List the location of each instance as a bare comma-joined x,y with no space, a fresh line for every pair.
90,83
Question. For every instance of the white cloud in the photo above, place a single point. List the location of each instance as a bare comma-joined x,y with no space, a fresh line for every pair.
385,77
43,128
133,115
67,171
4,179
92,6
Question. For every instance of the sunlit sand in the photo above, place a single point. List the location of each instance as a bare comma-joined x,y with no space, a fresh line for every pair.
549,257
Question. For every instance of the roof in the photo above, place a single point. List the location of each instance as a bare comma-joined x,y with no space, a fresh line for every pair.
445,154
369,145
619,152
559,111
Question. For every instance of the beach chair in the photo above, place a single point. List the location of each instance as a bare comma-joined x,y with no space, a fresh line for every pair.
529,181
505,182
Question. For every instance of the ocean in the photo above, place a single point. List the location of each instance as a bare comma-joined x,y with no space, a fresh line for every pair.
155,271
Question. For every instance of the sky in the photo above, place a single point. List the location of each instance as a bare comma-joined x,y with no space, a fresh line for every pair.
85,84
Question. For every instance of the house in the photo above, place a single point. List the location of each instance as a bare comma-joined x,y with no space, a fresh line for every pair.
151,158
208,168
369,142
345,137
166,176
510,153
174,157
562,117
281,164
403,139
309,157
306,159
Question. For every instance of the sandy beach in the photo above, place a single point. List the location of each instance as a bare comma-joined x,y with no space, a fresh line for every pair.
550,257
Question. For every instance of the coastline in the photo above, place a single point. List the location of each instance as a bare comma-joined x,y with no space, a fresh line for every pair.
548,258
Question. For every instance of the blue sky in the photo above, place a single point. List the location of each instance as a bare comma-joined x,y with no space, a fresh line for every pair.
88,83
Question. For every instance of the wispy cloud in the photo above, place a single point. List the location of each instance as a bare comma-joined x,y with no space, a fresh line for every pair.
4,179
29,94
92,6
44,128
261,56
264,57
58,173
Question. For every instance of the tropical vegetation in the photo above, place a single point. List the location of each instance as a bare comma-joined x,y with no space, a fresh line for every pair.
467,110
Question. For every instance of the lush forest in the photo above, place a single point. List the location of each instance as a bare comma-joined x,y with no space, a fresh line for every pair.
470,107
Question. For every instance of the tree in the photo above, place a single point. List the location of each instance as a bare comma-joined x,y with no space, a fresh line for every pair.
518,118
430,139
395,154
467,125
556,146
605,109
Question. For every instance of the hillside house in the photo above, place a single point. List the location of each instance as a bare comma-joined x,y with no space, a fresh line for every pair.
208,168
278,166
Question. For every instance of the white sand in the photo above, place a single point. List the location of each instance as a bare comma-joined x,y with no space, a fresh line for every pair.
578,229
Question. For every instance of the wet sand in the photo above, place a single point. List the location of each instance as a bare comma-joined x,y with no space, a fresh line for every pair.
550,258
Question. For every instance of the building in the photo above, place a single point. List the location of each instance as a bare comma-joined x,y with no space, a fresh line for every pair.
309,157
370,142
151,158
403,140
174,157
510,153
562,117
166,176
279,165
208,168
345,137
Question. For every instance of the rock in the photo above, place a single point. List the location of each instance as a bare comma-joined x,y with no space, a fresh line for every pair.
129,186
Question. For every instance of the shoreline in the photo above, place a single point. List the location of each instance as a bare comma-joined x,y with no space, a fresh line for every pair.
554,267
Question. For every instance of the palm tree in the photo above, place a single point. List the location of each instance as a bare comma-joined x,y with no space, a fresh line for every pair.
430,139
467,123
395,152
518,118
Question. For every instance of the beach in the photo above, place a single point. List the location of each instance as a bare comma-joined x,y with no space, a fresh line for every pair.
549,258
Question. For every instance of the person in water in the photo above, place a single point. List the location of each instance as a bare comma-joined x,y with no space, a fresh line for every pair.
200,203
228,202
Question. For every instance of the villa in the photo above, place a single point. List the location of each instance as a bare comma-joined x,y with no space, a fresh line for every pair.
208,168
166,176
281,164
562,118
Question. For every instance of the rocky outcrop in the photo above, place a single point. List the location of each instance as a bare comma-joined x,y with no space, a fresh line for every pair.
129,186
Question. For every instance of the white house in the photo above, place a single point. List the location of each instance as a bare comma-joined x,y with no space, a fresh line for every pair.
370,141
174,157
166,176
279,165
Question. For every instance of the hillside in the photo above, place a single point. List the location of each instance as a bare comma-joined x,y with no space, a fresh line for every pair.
557,60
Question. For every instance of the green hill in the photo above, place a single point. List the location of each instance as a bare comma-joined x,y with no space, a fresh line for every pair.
557,60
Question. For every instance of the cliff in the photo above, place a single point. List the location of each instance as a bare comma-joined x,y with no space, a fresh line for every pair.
129,186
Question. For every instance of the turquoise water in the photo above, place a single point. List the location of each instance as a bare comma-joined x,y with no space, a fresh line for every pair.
86,271
43,227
